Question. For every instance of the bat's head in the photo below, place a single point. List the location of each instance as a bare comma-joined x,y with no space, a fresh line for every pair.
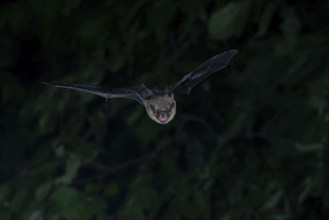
161,109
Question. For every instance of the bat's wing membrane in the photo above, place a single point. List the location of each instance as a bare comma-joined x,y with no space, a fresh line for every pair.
136,93
207,68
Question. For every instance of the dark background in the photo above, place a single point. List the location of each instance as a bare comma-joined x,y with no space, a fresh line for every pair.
251,142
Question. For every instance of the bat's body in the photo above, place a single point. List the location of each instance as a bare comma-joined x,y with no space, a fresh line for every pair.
160,105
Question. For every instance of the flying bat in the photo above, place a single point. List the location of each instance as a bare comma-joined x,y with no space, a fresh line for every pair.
160,104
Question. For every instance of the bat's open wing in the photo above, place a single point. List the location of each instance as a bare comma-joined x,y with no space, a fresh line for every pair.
136,93
212,65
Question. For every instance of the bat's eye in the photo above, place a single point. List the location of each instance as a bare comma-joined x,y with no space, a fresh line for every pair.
153,108
172,106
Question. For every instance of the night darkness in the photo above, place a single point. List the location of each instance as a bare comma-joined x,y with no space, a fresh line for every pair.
250,142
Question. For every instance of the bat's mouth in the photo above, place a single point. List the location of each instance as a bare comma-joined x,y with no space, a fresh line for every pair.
163,117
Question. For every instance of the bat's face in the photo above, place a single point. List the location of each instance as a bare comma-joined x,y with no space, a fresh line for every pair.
161,109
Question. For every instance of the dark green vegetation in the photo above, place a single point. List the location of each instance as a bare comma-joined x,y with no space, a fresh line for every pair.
251,142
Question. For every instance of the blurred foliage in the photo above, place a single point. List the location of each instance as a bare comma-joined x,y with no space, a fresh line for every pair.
249,143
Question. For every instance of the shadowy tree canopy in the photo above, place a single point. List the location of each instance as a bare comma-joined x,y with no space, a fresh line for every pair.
250,142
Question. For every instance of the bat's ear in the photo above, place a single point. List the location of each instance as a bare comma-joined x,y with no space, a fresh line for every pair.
169,90
152,107
172,105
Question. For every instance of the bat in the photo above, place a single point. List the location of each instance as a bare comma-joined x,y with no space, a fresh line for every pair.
160,104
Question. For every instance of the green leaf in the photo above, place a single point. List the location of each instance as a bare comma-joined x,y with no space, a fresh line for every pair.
308,186
229,21
306,148
274,200
161,14
4,193
19,200
290,26
201,199
4,215
68,201
266,18
36,215
71,170
111,190
42,191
